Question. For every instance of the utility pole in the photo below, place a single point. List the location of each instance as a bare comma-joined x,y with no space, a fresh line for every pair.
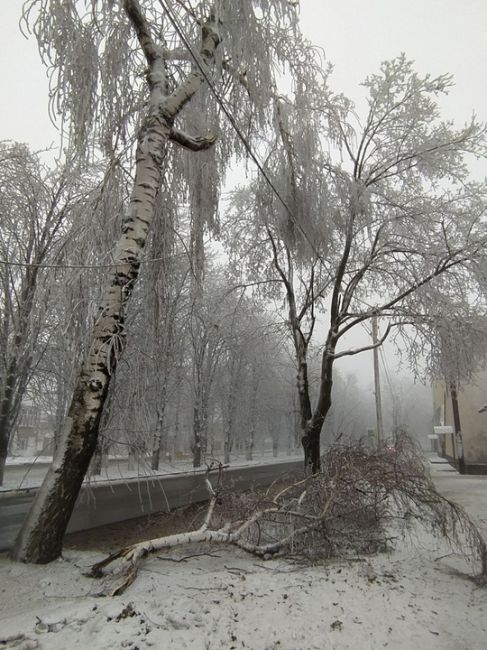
378,403
457,436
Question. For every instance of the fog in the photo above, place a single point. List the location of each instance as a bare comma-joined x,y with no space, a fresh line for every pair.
442,36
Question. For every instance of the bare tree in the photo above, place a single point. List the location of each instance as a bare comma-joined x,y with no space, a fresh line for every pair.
36,206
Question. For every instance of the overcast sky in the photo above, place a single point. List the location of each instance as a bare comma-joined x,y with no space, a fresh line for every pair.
441,36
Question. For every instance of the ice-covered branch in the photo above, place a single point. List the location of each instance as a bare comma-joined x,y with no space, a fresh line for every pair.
193,143
142,29
353,351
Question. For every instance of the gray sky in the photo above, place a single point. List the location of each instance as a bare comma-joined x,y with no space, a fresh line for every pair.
23,105
441,36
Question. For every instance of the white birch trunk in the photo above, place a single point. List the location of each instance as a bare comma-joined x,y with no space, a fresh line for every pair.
40,539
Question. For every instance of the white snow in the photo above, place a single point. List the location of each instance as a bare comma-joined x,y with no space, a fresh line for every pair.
30,471
28,460
406,600
419,597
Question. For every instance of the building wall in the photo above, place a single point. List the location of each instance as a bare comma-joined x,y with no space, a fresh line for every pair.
34,432
473,424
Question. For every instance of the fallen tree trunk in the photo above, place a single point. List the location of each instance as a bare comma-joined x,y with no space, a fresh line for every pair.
349,507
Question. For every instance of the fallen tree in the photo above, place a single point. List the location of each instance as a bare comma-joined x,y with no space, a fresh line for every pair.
358,503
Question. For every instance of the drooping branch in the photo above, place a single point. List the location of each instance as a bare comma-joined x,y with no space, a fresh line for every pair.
356,504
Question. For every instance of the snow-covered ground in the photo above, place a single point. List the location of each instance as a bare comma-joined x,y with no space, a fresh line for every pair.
418,597
23,473
408,600
28,460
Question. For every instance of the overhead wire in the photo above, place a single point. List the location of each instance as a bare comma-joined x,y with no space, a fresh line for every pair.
386,370
202,68
77,266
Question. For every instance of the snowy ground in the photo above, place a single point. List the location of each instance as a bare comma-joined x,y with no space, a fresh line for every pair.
227,600
417,597
23,473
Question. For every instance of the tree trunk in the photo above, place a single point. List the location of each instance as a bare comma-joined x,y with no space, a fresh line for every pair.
160,439
40,539
4,436
100,456
303,383
458,448
378,399
250,442
177,408
19,362
200,426
312,434
310,430
232,408
275,446
6,419
249,446
3,454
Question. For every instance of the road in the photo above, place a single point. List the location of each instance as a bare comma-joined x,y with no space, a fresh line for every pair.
106,502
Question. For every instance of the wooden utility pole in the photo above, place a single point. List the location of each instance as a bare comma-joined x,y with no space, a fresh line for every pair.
378,403
457,436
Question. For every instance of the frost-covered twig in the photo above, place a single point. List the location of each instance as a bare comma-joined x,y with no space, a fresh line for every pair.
344,510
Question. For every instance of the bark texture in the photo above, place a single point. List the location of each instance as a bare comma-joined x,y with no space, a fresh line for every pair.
40,539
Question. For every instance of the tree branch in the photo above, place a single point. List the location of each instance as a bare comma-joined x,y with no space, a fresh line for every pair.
193,143
353,351
142,30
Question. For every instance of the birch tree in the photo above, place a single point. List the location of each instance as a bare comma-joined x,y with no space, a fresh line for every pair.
97,88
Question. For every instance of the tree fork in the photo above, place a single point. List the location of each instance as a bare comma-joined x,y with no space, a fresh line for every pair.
40,539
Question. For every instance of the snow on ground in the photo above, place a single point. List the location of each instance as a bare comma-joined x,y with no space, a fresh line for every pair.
28,460
225,599
27,473
417,597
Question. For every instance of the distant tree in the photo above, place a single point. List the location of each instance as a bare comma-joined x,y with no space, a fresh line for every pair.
36,207
408,407
351,413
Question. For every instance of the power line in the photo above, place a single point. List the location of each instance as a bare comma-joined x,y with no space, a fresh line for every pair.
77,266
201,66
386,371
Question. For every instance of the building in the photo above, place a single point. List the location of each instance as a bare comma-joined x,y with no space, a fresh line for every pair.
472,442
34,434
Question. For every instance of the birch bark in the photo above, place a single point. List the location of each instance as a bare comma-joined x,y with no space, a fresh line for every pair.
40,539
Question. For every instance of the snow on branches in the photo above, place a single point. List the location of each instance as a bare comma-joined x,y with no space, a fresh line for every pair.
357,503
